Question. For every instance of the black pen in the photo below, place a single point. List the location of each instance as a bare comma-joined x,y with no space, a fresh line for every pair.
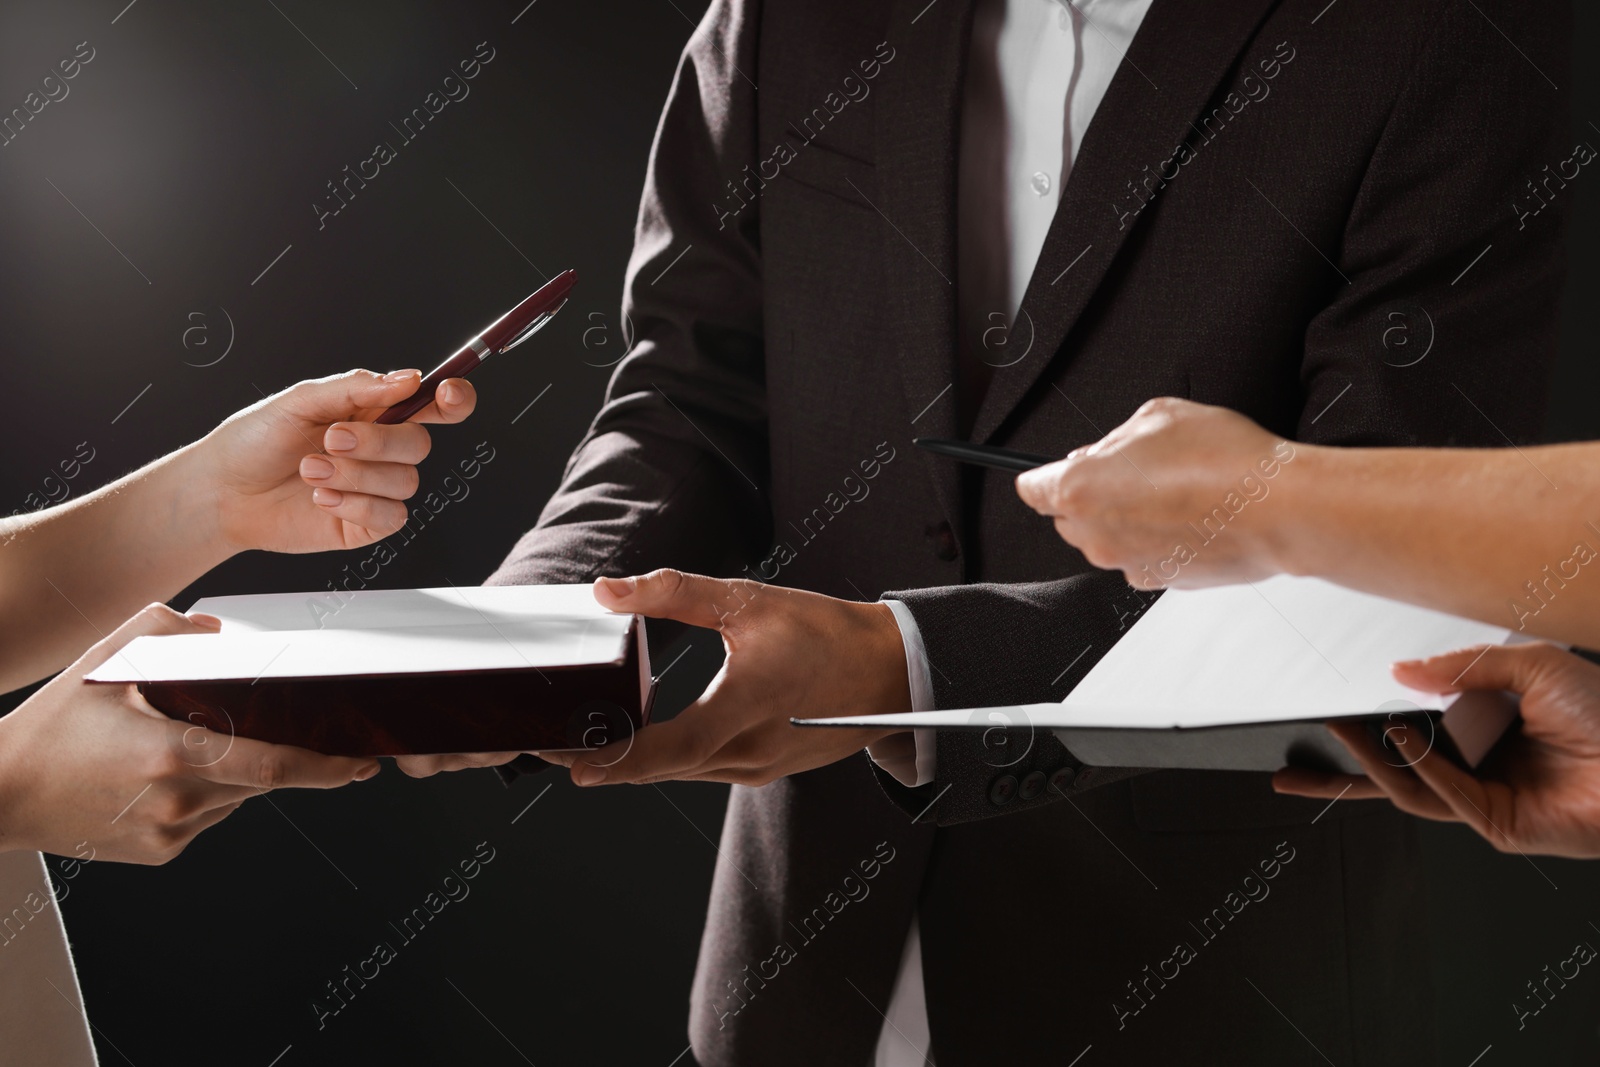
1004,459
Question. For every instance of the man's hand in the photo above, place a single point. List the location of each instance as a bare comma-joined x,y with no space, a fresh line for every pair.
306,470
1541,792
789,653
89,763
1129,500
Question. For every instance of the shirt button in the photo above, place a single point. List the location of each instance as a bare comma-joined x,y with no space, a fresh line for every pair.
1041,183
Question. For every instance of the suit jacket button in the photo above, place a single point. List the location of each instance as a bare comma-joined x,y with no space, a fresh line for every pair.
1085,778
1003,790
1032,785
1061,780
944,541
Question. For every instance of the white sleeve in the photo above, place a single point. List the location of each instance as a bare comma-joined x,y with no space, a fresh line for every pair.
910,756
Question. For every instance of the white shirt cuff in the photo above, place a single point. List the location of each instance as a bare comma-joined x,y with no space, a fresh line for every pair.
910,757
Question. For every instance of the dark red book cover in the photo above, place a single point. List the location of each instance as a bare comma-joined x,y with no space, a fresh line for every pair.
545,671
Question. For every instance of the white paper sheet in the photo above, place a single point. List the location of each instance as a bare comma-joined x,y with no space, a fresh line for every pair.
1277,650
390,631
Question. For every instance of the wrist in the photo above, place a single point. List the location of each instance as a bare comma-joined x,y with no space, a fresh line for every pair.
888,651
1288,543
15,835
189,478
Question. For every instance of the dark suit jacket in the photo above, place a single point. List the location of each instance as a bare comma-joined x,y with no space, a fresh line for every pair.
792,298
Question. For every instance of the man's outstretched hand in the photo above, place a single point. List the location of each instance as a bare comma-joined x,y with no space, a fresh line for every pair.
789,653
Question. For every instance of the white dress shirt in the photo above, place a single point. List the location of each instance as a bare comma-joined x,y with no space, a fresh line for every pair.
41,1012
1036,73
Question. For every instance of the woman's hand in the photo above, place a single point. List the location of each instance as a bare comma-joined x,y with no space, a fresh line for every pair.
1539,793
306,470
1177,495
83,762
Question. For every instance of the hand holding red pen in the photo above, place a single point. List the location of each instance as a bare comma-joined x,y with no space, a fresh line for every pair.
258,465
355,438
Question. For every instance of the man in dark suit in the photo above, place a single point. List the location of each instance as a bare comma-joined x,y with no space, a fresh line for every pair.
1267,191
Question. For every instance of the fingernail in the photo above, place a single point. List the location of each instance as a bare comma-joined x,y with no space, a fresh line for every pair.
367,772
450,393
210,622
1406,663
328,498
620,588
316,467
587,774
401,375
338,439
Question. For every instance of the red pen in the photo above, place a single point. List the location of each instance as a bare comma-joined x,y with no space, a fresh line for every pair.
504,334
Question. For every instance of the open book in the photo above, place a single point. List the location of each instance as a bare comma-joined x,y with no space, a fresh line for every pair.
1242,677
403,671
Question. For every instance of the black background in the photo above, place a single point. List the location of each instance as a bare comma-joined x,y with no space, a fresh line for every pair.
197,141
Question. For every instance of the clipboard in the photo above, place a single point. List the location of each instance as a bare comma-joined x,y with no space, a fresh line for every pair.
1243,678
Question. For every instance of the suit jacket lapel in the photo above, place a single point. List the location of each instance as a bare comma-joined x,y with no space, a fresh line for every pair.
1172,69
916,127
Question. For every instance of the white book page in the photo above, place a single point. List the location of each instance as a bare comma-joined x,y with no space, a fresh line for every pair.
377,632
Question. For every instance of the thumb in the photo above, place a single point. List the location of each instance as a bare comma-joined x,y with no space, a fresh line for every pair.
1045,489
669,594
153,620
343,396
1033,486
1514,667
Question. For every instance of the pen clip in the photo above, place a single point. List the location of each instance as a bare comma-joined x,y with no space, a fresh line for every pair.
532,328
